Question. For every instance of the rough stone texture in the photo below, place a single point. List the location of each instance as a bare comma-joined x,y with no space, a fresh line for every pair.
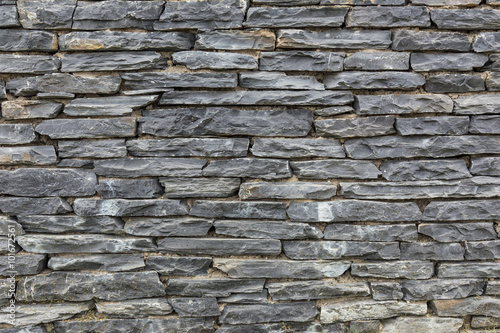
290,148
470,105
441,289
250,298
15,134
347,128
184,266
301,61
296,190
278,80
25,40
492,288
92,148
107,106
411,40
124,207
383,291
468,270
195,307
348,39
306,290
249,167
482,250
53,224
424,170
33,206
485,322
292,17
466,19
28,64
376,61
419,324
374,80
376,17
218,287
484,125
214,60
485,166
87,128
219,246
433,126
267,229
135,308
28,109
37,15
493,82
199,188
103,262
454,83
163,80
341,249
485,306
149,167
422,62
411,269
34,155
265,313
129,188
324,169
23,264
235,40
402,104
457,232
461,210
371,233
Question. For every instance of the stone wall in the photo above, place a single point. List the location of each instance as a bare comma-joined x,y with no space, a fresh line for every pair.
250,167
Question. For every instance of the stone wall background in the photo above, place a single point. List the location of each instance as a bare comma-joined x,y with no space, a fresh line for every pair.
236,166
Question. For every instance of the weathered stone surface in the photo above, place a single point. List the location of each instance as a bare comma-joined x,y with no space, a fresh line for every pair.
477,104
218,287
458,232
35,155
219,246
214,60
469,270
482,250
484,306
374,80
485,322
487,42
71,224
419,324
368,309
493,82
107,106
284,327
250,298
346,39
129,188
492,288
74,163
63,83
281,269
22,40
454,83
235,40
135,308
353,210
484,125
487,166
8,15
195,307
447,125
102,262
408,147
200,187
149,167
363,3
290,148
30,329
186,266
383,17
212,121
92,148
28,109
383,291
365,326
286,3
162,80
124,207
112,61
411,40
466,19
422,62
462,210
408,269
47,182
308,290
293,190
16,134
278,80
439,3
269,17
402,104
442,289
268,313
31,206
341,249
249,167
9,225
267,229
376,61
371,233
301,61
149,226
52,14
432,251
424,170
32,64
325,169
238,209
356,127
3,92
22,264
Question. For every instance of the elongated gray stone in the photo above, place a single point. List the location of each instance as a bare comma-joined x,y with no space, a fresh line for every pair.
90,243
376,61
238,209
492,288
28,109
214,60
341,249
346,39
454,83
200,187
233,40
286,2
444,125
33,155
420,324
441,289
249,167
267,313
371,233
52,14
405,269
377,17
284,327
149,226
219,246
432,251
30,64
353,210
484,306
31,206
485,322
493,81
218,287
383,291
54,224
475,210
301,61
124,207
149,167
195,307
29,264
47,182
102,262
129,188
92,148
468,270
356,127
289,148
278,80
186,266
249,298
374,80
74,163
307,290
363,3
281,269
135,308
487,42
8,15
9,225
30,329
422,62
458,232
487,166
269,17
112,61
482,250
484,125
477,104
107,106
267,229
424,170
325,169
294,190
212,121
16,134
162,80
412,40
402,104
466,19
22,40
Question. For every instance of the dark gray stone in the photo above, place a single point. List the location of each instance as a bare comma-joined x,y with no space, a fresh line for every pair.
454,83
9,225
3,92
200,187
482,250
374,80
195,307
484,125
422,62
371,233
31,206
148,226
249,167
214,60
301,61
383,291
235,40
33,155
185,266
364,3
129,188
267,229
487,166
325,169
52,14
432,251
219,246
124,207
278,80
30,329
135,308
29,264
468,270
92,148
8,15
345,39
444,125
112,61
162,80
107,106
407,269
356,127
422,324
102,262
466,19
250,298
268,313
458,232
493,82
286,3
487,42
149,167
71,224
22,40
28,109
74,163
475,210
341,249
16,134
293,190
308,290
492,288
485,322
376,61
424,170
217,287
290,148
484,306
333,111
292,17
284,327
412,40
388,17
30,64
402,104
441,289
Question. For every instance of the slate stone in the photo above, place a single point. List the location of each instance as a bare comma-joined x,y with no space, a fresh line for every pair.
200,187
492,288
64,83
16,134
28,109
292,17
484,306
388,17
162,80
441,289
383,291
281,269
424,170
53,224
286,2
487,42
135,308
278,80
214,60
267,229
493,82
268,313
447,125
31,206
454,83
3,92
129,188
458,232
51,95
30,64
422,324
249,167
341,249
149,167
74,163
148,226
31,155
212,121
407,269
238,209
476,210
195,307
124,207
374,80
30,329
202,15
52,14
47,182
101,262
371,233
353,210
112,61
408,147
217,287
89,243
482,250
22,264
487,166
422,62
290,148
333,111
412,40
185,266
233,40
293,190
432,251
484,125
356,127
219,246
9,225
107,106
468,270
325,169
250,298
363,3
368,309
402,104
8,15
301,61
377,61
92,148
12,40
331,39
284,327
485,322
308,290
466,19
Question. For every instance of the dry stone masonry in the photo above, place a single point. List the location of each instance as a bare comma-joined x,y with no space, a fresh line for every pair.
250,166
